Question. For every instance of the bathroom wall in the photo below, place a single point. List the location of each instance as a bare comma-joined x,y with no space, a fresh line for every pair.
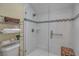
29,12
29,36
14,10
61,28
75,30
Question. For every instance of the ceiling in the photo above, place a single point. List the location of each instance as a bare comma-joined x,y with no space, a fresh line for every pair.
41,8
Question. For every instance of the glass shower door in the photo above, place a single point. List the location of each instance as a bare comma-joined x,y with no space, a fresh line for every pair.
55,32
55,38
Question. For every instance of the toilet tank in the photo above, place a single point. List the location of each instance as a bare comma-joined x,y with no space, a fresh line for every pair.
11,50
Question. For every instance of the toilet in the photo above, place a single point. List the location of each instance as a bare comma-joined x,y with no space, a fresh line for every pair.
10,50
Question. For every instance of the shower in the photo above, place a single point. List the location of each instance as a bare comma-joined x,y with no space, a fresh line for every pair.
50,26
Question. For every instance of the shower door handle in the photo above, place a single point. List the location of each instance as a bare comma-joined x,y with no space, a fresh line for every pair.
51,34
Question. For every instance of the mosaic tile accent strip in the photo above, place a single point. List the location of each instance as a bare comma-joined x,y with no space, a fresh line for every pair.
67,51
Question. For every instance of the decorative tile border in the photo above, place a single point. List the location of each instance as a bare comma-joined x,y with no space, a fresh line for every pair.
75,17
30,20
58,20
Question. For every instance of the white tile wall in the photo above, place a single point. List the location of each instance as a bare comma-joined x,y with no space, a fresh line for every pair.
75,31
43,36
29,12
29,36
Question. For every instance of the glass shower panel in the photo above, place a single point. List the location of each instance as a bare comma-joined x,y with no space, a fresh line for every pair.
55,31
59,31
36,32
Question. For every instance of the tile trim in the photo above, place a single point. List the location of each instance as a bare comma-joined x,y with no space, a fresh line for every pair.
60,20
30,20
50,21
